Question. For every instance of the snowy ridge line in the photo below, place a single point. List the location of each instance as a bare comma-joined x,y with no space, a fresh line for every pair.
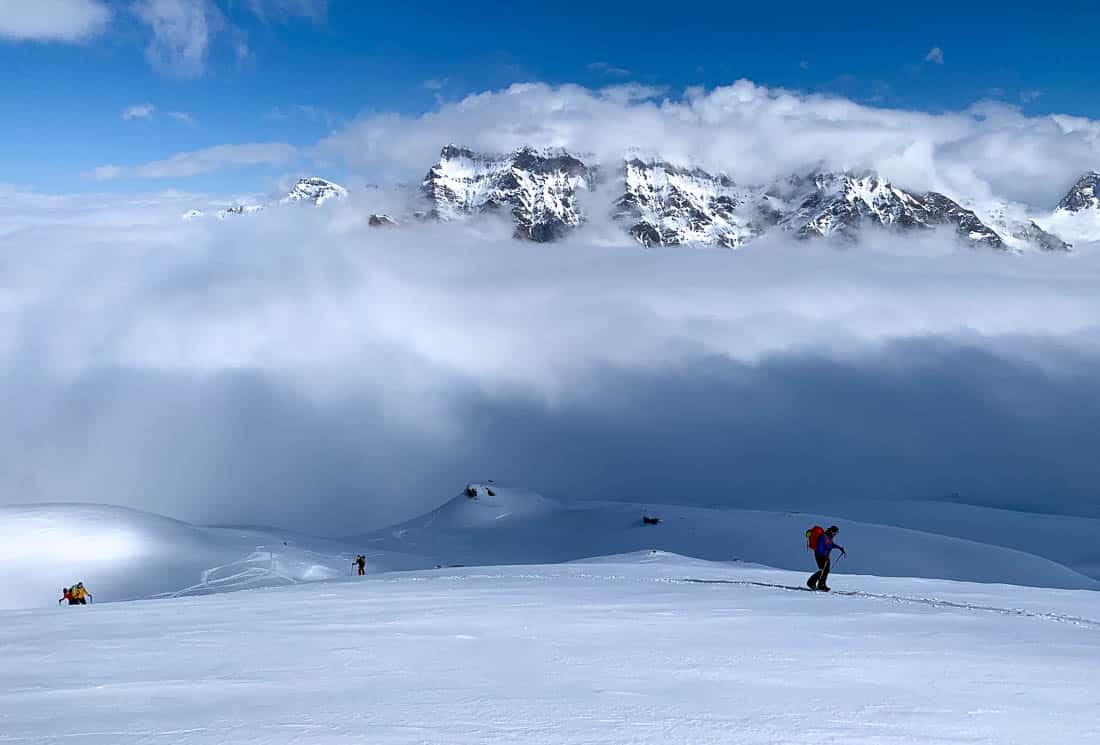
932,602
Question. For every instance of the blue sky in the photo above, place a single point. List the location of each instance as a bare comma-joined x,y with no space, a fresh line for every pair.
292,71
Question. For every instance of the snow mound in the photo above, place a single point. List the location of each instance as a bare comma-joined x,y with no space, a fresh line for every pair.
519,527
123,554
485,505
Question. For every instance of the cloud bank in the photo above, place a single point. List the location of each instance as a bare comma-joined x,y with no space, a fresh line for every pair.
302,369
751,132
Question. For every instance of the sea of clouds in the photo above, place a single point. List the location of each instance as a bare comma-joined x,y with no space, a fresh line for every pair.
300,368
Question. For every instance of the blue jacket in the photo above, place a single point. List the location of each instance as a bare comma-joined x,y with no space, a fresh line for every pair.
825,545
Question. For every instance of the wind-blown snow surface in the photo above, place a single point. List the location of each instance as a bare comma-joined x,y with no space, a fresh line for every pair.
122,554
612,651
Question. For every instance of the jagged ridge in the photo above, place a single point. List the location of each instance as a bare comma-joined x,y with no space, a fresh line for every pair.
667,206
539,187
663,204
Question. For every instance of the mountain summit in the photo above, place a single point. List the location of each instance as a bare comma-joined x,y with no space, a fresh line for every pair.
663,204
1084,195
538,187
314,190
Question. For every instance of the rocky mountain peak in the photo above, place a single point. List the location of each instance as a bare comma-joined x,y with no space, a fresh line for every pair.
667,205
1084,195
538,187
314,190
841,204
661,203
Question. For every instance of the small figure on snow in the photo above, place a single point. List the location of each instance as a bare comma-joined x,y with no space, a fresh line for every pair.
822,542
76,595
361,562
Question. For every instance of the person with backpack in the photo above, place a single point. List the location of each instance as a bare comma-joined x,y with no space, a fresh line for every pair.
79,594
66,594
361,562
822,542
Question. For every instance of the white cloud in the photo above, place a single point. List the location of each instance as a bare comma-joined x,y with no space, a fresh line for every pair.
369,369
608,69
283,10
138,111
751,132
183,117
182,33
935,56
207,160
52,20
434,84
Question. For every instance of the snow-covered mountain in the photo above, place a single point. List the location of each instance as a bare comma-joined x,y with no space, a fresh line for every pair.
314,190
663,205
1019,231
1077,217
831,204
310,190
538,187
1084,195
380,219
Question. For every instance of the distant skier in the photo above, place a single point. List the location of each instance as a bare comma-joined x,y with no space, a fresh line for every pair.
361,562
823,543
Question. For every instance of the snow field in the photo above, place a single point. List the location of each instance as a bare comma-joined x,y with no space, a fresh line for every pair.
613,651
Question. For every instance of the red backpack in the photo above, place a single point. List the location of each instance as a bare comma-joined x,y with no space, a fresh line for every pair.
812,536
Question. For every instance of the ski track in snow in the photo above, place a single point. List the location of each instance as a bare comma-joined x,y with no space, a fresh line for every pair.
933,602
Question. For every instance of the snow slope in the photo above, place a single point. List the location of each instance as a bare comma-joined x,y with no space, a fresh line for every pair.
122,554
613,651
521,527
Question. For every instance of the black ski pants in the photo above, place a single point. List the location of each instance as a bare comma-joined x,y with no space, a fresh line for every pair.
822,574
